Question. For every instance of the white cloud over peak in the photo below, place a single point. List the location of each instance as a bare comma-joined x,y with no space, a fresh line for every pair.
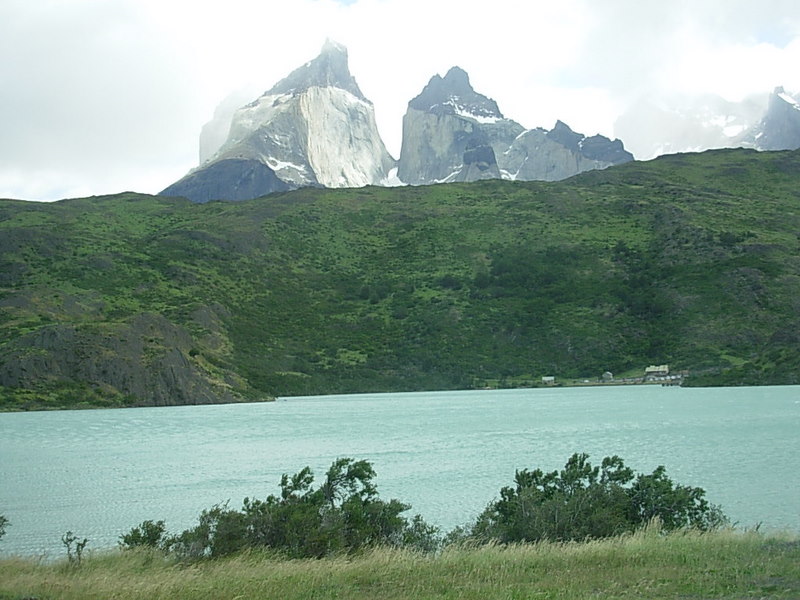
101,96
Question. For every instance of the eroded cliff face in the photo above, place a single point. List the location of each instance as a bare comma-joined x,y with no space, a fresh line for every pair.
452,133
343,148
147,361
440,148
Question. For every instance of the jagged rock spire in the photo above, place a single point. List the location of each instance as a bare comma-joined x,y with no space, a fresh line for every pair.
329,69
313,128
453,93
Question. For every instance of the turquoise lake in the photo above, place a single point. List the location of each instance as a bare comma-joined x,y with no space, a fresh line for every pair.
100,472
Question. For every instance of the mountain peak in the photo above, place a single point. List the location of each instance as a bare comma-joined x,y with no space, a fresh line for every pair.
457,80
779,128
453,95
329,69
333,47
563,134
779,94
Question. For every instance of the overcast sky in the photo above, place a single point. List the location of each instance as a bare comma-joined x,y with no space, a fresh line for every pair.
104,96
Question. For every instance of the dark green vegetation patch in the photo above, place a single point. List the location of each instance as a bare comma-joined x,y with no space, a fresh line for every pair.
688,260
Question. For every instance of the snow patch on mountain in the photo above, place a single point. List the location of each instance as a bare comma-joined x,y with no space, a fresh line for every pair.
451,177
279,166
391,179
484,119
789,100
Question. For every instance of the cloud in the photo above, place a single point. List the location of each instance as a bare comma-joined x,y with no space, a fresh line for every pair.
100,96
87,94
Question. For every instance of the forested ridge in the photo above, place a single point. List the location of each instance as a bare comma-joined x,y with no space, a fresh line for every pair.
688,260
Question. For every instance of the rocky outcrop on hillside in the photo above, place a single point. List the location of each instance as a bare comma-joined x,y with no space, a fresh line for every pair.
149,361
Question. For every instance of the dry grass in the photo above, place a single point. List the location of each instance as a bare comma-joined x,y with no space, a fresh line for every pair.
647,564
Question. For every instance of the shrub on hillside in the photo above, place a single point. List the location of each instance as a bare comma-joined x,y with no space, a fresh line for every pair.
586,502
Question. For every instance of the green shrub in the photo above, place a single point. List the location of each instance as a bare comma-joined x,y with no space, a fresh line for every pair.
149,533
584,502
344,514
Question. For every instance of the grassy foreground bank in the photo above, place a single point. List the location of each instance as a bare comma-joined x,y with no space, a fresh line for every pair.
647,564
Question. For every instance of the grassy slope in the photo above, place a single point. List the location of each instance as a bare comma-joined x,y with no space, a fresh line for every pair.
690,260
721,565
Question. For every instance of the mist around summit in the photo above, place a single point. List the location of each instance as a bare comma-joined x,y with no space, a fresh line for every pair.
654,126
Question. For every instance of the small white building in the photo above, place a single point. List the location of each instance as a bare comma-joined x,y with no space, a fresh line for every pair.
549,380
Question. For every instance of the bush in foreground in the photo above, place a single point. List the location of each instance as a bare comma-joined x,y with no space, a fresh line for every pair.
589,502
344,514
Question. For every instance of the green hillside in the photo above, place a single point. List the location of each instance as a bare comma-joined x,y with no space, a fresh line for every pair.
689,260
